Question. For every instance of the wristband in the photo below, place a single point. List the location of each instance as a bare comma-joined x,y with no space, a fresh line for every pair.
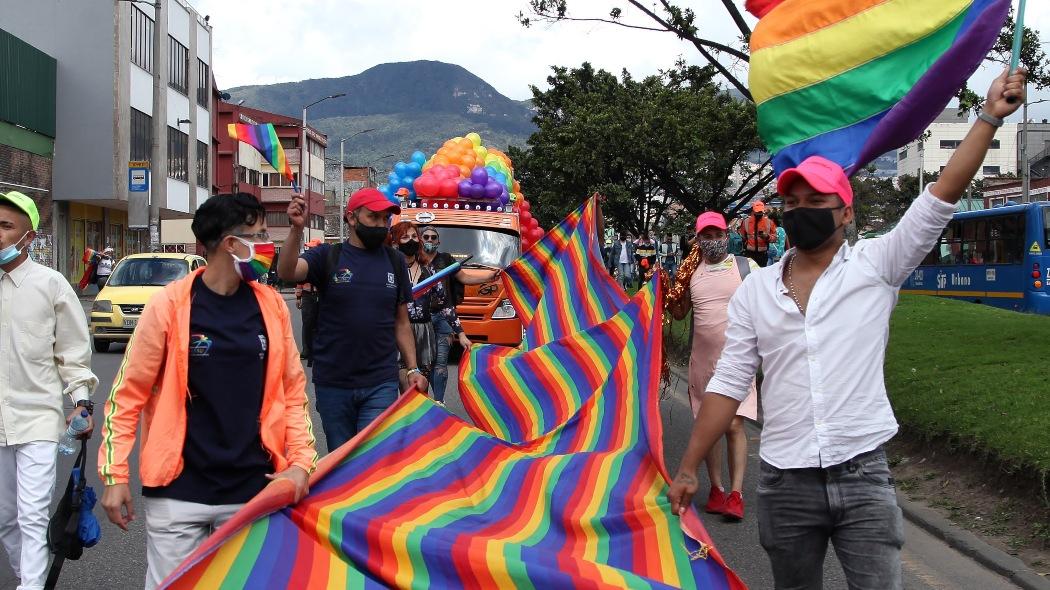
413,370
990,119
87,405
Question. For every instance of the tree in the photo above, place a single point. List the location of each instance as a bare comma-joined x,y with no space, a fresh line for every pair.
728,60
649,146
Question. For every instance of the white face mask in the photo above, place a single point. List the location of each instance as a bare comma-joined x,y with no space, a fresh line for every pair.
13,251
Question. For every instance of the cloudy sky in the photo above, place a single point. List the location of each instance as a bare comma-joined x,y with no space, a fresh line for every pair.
334,38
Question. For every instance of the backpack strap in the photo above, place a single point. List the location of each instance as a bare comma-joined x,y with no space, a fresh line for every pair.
743,266
331,260
395,257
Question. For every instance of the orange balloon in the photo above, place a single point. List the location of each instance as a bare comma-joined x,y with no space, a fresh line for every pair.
466,144
517,186
464,171
441,160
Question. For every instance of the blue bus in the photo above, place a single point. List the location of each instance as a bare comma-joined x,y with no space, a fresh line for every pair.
998,256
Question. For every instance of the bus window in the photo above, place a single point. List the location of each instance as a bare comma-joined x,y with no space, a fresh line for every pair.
951,244
1006,237
1046,227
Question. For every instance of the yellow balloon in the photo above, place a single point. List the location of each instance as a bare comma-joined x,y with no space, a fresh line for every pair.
481,152
474,138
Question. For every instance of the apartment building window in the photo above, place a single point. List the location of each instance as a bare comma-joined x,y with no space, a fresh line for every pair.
178,65
202,164
141,39
203,84
276,219
290,143
950,144
141,135
990,171
994,145
178,154
901,155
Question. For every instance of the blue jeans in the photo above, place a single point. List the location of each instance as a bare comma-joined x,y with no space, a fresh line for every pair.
345,412
853,504
439,375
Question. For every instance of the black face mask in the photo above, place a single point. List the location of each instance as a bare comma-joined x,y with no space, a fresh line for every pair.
371,237
809,227
409,248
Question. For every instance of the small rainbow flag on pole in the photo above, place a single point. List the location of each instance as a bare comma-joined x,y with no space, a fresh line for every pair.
264,138
852,79
423,287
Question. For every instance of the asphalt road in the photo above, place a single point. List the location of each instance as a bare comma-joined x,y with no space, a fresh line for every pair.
119,561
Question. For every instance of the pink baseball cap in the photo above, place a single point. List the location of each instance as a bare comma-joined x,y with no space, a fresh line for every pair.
710,219
372,199
820,173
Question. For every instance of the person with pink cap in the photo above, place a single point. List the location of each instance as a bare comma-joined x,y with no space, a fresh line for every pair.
709,277
817,323
362,316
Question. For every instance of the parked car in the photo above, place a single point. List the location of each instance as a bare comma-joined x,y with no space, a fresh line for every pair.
135,279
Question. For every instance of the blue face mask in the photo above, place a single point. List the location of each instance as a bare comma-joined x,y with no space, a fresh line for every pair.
13,251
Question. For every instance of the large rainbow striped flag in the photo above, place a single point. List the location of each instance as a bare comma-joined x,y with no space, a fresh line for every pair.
264,139
852,79
422,499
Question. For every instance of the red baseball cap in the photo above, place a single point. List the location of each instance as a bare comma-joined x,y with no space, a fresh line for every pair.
373,200
710,219
820,173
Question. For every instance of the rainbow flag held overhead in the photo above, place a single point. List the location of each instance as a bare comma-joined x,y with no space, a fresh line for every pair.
423,499
264,138
852,79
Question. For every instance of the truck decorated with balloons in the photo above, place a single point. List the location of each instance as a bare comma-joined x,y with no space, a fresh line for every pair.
468,193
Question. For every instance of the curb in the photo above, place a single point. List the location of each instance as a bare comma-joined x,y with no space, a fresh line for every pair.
962,540
970,545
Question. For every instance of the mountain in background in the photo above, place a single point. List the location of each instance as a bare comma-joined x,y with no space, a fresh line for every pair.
411,105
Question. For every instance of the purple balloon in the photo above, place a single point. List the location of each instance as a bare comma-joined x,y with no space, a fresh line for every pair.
479,176
477,191
504,198
465,188
494,189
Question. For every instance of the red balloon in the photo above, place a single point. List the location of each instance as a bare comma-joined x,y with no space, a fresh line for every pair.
424,185
533,224
449,188
536,234
525,206
524,217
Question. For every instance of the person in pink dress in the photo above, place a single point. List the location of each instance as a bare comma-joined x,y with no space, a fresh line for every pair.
712,276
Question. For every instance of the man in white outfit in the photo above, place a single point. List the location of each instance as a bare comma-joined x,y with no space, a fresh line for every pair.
43,345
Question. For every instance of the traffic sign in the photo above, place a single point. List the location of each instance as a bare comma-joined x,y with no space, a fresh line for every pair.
138,177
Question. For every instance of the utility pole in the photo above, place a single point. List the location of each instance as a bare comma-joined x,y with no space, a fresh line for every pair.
161,18
922,167
304,164
1026,171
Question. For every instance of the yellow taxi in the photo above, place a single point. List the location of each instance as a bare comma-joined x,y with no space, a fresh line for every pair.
134,280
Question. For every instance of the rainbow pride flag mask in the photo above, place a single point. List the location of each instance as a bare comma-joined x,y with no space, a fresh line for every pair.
852,79
258,262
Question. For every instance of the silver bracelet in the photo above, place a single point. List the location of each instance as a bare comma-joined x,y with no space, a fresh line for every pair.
990,119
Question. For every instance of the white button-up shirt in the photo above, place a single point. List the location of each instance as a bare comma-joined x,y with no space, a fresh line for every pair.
43,344
823,397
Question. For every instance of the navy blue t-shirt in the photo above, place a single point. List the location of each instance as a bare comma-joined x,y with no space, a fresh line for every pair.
355,345
224,461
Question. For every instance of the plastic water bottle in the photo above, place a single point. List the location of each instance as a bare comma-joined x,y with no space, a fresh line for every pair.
69,444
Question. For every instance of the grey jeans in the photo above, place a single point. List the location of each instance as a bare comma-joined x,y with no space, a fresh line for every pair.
853,504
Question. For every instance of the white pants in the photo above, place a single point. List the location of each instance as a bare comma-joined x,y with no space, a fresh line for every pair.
174,529
27,480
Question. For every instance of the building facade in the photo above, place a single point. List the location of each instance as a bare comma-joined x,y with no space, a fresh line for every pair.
27,132
946,133
1010,191
114,95
240,168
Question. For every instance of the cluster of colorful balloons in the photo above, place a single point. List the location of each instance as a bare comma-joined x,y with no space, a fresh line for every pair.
484,174
404,175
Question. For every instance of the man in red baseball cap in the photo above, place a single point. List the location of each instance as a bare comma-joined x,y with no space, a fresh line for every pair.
817,322
362,317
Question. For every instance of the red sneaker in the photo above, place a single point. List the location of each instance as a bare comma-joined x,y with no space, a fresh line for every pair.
716,501
734,508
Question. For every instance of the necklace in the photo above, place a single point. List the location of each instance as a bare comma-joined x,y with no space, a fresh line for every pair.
791,284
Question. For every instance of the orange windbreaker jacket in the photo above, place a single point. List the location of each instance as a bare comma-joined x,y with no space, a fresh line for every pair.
153,382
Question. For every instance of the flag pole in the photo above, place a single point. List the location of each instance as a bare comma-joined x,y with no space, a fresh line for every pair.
1015,58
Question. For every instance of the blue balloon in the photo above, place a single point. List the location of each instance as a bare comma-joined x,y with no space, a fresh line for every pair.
414,169
501,177
419,157
400,168
385,189
407,182
492,171
393,177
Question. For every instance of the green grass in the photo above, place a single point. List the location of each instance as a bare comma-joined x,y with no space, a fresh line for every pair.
975,374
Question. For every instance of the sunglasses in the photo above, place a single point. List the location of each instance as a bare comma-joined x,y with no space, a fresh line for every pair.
259,237
430,238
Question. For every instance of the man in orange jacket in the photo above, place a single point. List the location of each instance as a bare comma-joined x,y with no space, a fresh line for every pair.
758,231
214,373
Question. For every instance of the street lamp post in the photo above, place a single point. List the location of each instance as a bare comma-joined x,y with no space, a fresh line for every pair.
342,189
304,155
1026,172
